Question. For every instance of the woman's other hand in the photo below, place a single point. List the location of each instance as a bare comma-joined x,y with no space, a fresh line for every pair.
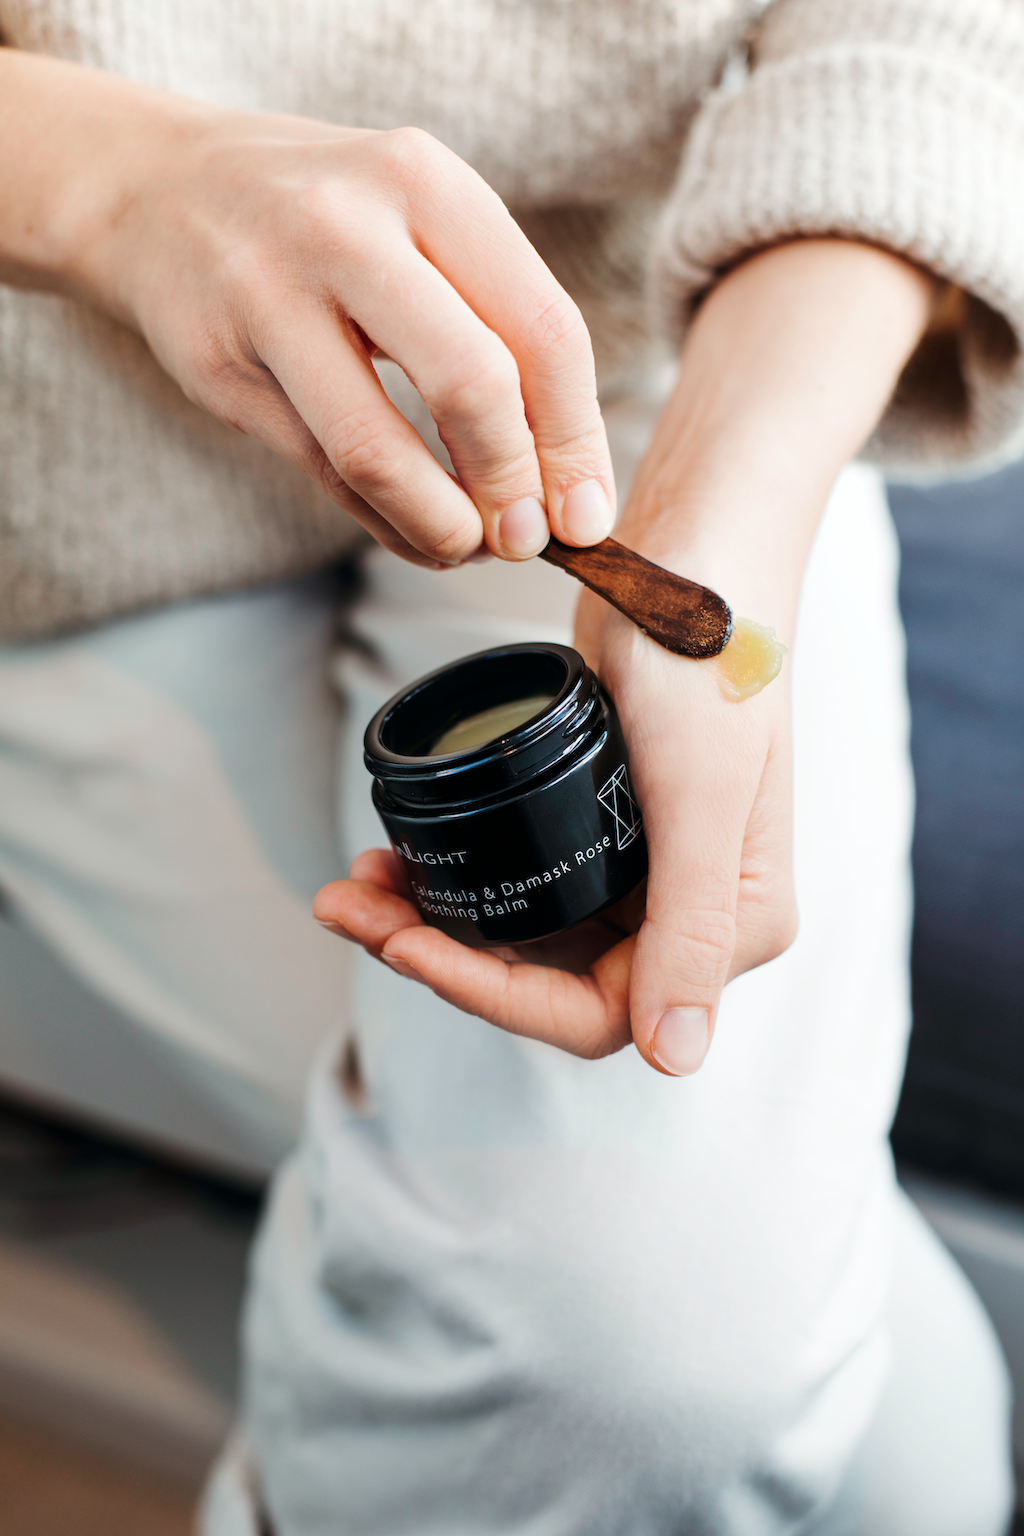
713,780
266,259
788,366
571,990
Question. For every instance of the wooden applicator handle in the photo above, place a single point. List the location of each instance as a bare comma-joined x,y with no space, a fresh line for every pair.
685,618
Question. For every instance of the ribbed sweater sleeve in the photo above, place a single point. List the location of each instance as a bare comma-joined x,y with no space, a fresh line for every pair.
899,122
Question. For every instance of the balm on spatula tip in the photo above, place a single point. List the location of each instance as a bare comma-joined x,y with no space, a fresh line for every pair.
681,615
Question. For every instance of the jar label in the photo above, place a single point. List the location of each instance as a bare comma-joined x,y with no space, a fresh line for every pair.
517,872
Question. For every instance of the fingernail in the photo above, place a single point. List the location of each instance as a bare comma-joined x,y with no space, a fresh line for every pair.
403,969
681,1040
338,928
586,513
523,528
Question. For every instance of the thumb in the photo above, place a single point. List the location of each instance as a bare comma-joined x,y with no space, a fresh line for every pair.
696,819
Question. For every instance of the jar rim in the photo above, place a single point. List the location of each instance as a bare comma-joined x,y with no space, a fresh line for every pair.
417,715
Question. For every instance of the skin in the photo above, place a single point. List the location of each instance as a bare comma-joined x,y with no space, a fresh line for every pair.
265,259
786,370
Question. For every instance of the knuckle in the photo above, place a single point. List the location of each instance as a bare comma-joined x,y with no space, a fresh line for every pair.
367,462
710,938
559,328
455,544
412,153
480,384
364,450
219,368
707,939
320,469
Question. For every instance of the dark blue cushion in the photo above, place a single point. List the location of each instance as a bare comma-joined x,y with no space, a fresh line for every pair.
962,593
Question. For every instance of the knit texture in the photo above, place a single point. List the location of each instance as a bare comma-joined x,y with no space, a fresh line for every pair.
900,124
598,122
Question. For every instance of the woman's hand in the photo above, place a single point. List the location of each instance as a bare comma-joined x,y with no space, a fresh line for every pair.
713,780
788,366
571,990
265,259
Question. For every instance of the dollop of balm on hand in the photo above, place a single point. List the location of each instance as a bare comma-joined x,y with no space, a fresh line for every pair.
748,663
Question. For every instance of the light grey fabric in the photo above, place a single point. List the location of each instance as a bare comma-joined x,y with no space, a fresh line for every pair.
503,1290
500,1289
933,1461
166,815
231,1502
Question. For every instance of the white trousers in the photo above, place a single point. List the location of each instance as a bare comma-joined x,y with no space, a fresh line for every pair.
499,1289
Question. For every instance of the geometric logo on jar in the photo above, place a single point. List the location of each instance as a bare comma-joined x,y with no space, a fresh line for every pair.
615,797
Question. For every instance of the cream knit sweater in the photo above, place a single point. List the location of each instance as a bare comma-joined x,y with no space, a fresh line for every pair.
638,176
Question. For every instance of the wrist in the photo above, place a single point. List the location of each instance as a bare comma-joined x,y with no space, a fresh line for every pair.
788,366
110,236
79,147
740,520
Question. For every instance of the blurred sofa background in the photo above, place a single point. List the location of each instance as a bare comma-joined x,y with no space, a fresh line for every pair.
962,592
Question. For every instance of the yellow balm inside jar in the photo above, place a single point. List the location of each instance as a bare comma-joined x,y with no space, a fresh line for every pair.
752,658
489,724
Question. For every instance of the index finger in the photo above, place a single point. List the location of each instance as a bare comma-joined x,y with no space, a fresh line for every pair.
492,264
585,1015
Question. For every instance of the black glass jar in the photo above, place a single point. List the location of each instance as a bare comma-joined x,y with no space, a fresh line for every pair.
525,834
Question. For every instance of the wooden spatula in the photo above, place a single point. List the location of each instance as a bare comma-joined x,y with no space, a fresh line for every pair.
685,618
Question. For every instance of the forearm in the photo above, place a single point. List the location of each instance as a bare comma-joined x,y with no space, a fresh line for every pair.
788,366
74,146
